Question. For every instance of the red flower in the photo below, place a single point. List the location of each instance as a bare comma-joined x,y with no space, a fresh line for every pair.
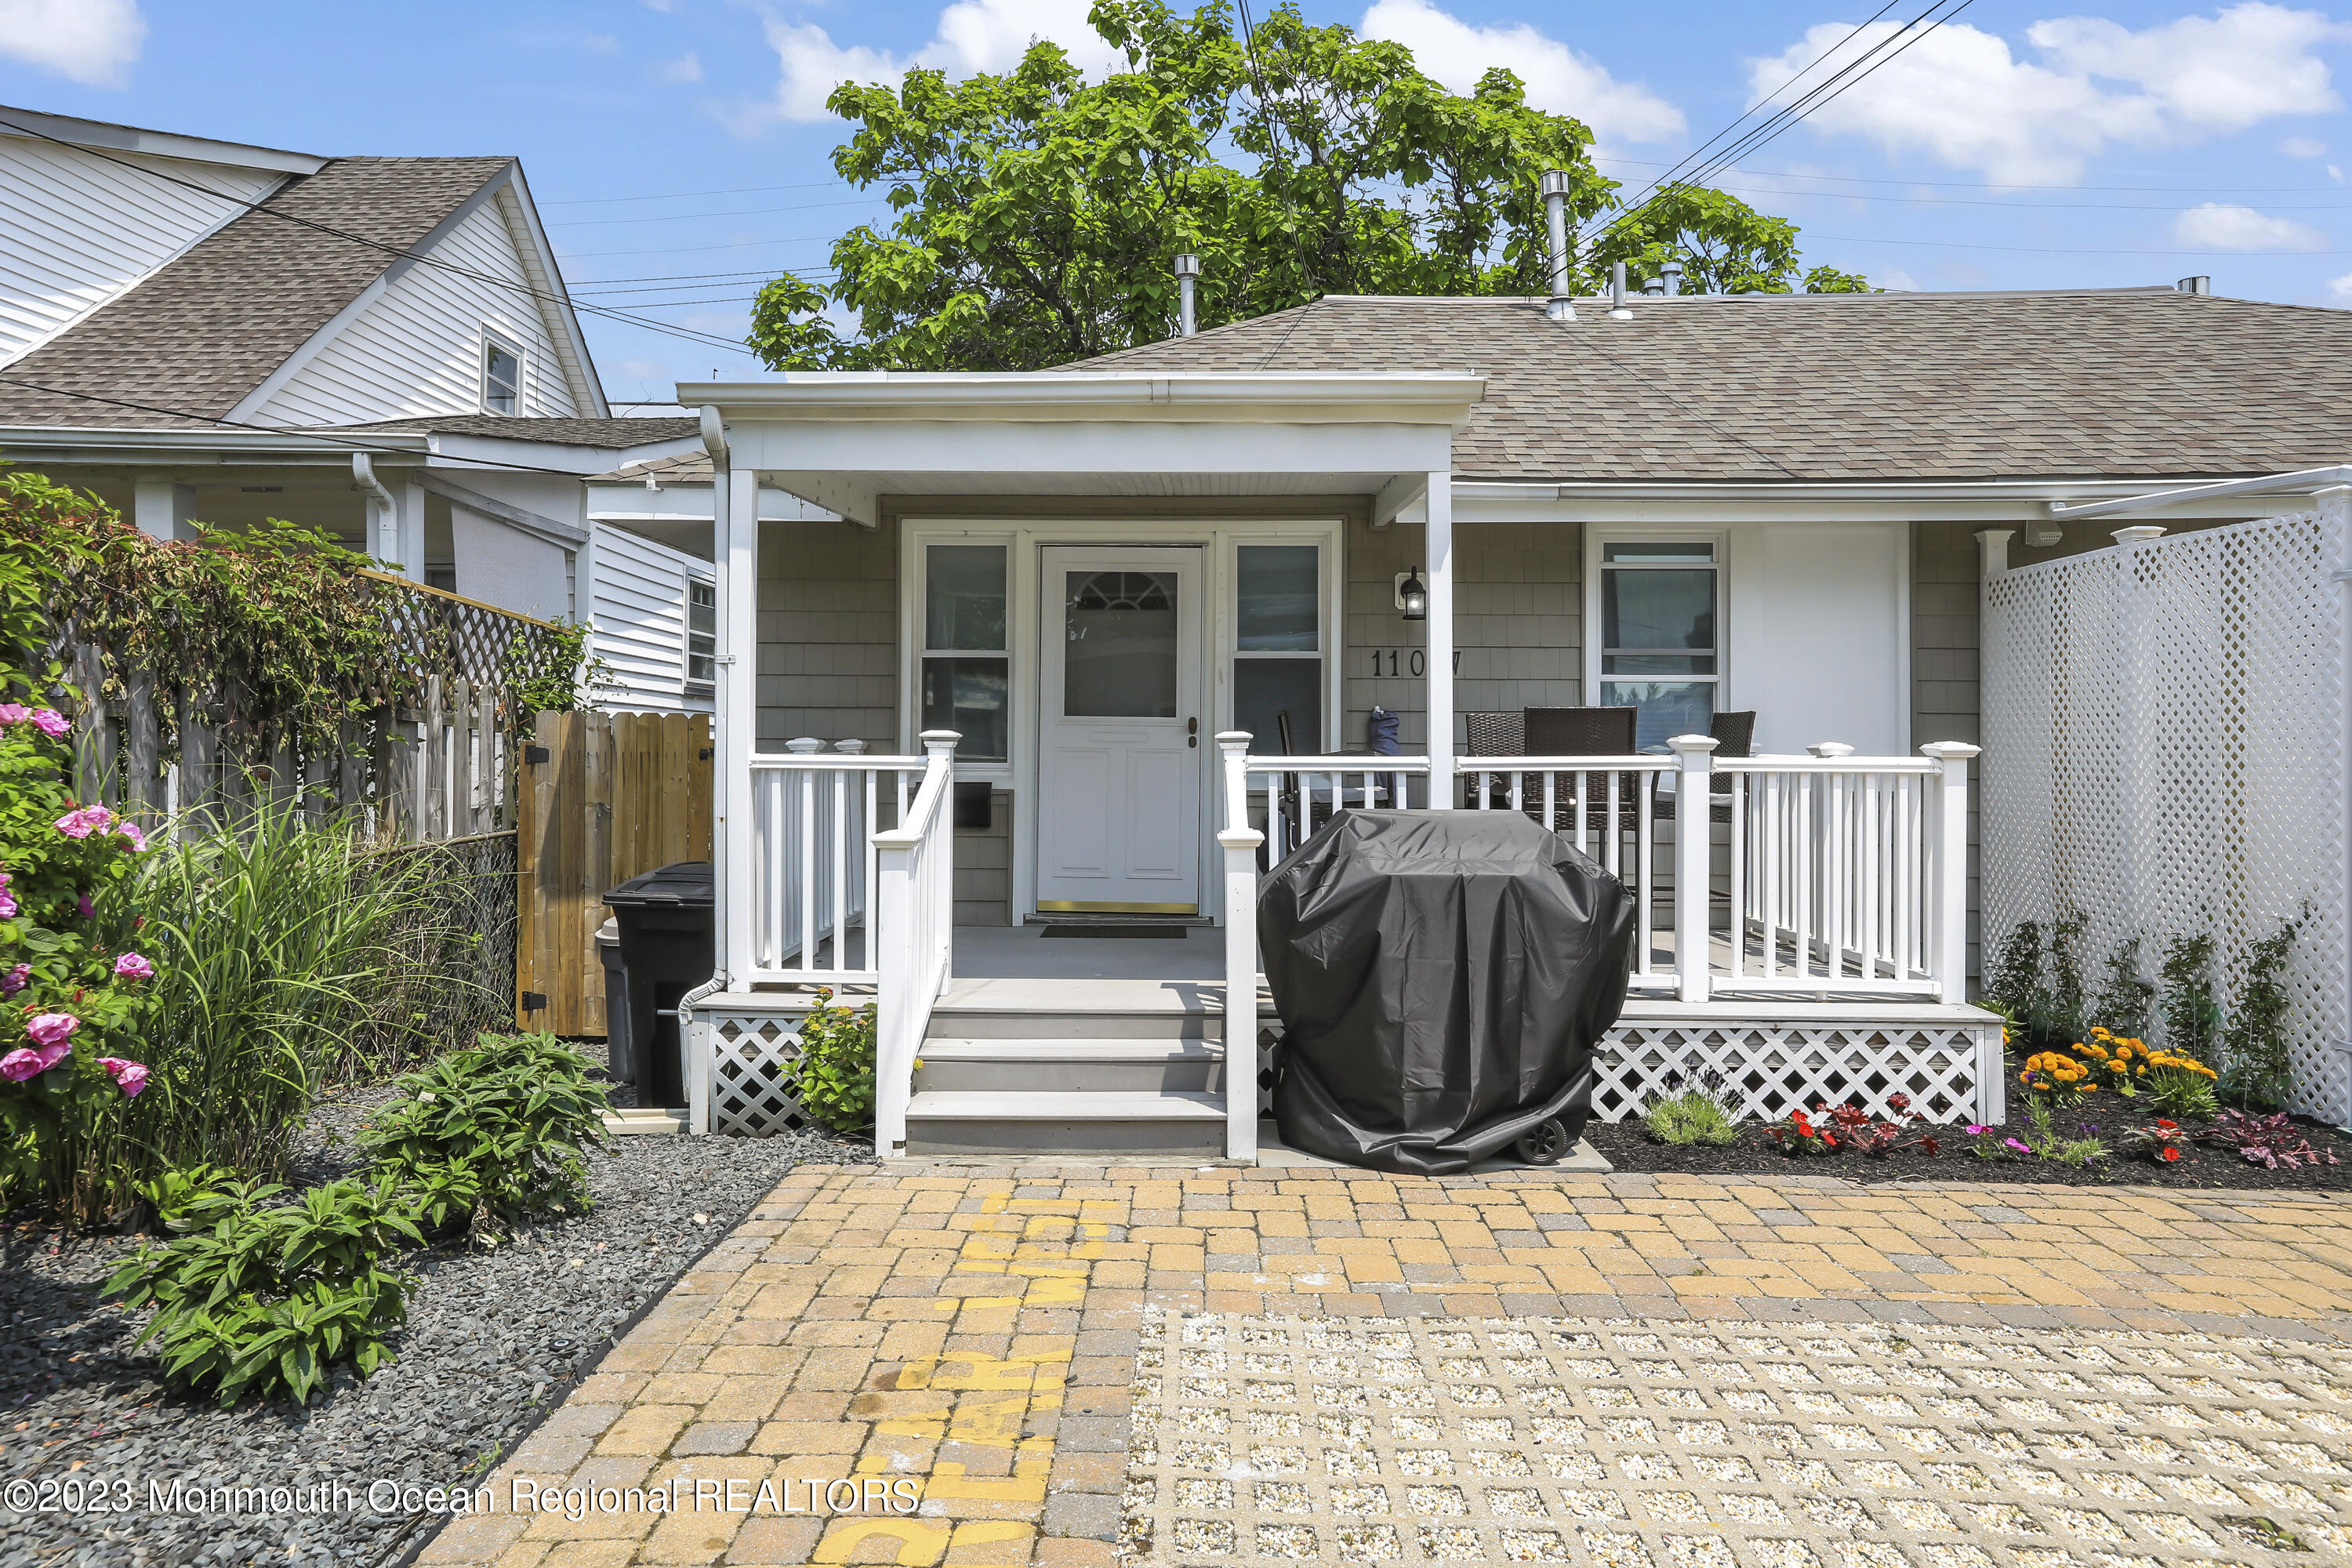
1829,1141
2170,1153
2168,1126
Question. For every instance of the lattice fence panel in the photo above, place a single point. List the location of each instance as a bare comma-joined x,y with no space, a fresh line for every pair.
2165,751
755,1073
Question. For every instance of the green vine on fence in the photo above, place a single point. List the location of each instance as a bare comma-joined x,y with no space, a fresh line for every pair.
278,632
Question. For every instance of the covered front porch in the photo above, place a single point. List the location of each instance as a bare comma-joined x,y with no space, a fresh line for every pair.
1123,613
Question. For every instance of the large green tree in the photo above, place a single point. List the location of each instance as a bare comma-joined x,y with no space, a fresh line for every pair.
1037,214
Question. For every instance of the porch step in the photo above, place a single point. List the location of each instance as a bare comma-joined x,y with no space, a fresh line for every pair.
1006,1121
1136,1064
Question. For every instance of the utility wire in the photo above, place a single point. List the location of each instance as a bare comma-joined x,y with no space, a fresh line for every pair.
706,339
738,212
1981,184
682,196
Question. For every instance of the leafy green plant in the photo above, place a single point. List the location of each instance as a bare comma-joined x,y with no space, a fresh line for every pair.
2014,986
492,1133
2257,1069
2065,1012
1694,1113
556,672
264,1297
2123,999
836,1070
2083,1149
2192,1013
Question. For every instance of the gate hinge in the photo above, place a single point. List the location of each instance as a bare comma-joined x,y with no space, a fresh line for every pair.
705,754
532,1001
534,755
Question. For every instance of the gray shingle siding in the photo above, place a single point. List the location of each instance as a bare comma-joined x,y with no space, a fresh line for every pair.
828,634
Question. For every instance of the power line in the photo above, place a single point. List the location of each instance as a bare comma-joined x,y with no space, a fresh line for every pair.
2060,250
706,339
1982,184
736,212
682,196
693,250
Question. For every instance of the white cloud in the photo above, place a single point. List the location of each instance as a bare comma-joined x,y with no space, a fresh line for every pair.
1894,277
2304,147
686,67
972,36
1558,78
90,41
2217,225
2341,286
1961,95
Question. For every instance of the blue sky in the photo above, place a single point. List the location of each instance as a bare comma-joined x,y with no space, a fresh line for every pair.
678,148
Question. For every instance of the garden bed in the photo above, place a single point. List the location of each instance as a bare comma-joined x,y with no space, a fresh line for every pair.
494,1339
1629,1147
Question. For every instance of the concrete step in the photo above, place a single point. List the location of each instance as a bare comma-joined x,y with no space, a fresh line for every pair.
1135,1063
952,1122
645,1120
952,1021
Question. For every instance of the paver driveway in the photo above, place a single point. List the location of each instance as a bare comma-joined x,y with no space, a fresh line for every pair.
988,1332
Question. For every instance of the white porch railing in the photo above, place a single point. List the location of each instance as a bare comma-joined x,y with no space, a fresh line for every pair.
813,818
914,923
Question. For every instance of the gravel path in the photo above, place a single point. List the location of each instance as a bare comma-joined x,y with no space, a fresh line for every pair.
492,1340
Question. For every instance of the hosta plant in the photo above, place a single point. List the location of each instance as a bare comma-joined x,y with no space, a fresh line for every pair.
495,1134
264,1297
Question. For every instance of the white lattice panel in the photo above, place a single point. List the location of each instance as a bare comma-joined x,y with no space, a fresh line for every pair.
754,1073
2165,751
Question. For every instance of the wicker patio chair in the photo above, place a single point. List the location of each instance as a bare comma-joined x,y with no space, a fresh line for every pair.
1493,735
1735,735
1581,733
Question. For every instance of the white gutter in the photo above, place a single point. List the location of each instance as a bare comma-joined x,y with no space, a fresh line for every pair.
2300,479
102,443
1387,397
714,440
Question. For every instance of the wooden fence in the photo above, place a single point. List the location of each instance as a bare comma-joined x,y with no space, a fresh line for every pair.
603,797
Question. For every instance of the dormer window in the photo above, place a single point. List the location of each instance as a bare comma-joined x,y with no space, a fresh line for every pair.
502,377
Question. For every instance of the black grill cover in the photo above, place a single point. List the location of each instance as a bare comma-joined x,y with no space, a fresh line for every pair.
1441,977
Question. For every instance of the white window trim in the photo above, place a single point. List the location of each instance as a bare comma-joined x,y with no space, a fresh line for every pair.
1596,536
1331,612
686,633
917,610
493,337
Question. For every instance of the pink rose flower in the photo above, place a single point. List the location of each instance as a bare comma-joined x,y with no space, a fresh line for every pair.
24,1062
129,829
128,1077
15,713
51,1028
15,980
51,722
8,899
82,824
131,966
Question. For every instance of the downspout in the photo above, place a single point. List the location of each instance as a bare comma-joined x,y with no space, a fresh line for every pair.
363,470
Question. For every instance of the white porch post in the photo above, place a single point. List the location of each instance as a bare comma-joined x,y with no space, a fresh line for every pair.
412,530
1240,843
1693,832
167,511
1951,949
1440,640
739,631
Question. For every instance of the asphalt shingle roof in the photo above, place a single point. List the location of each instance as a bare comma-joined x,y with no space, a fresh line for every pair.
2118,383
211,325
569,432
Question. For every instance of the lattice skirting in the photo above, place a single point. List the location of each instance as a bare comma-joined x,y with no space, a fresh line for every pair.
754,1071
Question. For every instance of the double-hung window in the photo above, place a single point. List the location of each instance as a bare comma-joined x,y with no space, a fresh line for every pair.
1659,620
967,678
701,632
502,377
1278,648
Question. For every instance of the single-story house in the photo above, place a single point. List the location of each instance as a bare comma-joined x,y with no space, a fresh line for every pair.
1688,506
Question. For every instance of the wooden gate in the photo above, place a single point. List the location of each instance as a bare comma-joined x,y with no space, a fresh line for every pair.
603,797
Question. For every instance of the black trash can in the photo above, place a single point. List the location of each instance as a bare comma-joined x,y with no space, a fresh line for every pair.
1442,977
619,1060
667,948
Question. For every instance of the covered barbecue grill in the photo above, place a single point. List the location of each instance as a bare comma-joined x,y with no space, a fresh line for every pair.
1442,977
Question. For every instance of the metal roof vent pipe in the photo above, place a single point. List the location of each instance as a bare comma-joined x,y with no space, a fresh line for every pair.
1561,307
1618,310
1188,277
1670,274
2197,285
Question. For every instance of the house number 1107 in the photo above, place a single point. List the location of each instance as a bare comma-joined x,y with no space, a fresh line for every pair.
1390,662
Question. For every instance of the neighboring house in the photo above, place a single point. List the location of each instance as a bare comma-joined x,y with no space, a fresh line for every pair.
200,331
1700,505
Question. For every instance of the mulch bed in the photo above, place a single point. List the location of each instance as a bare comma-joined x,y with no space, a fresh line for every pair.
1629,1148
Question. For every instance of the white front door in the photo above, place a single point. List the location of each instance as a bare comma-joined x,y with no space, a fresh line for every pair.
1120,751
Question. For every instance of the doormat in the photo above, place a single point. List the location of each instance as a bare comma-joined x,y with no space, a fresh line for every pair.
1138,929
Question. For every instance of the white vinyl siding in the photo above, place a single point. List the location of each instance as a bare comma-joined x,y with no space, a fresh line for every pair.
78,229
417,347
641,624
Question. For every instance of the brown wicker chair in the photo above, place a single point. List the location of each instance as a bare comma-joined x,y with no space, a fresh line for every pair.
1581,733
1493,735
1735,735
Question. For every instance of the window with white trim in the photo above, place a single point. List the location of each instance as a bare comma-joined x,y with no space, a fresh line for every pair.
1278,647
1660,603
701,632
966,663
502,376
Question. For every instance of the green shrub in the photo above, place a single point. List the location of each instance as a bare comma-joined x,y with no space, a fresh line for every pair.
836,1069
2256,1068
265,1299
2192,1013
494,1132
2046,1142
1692,1115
